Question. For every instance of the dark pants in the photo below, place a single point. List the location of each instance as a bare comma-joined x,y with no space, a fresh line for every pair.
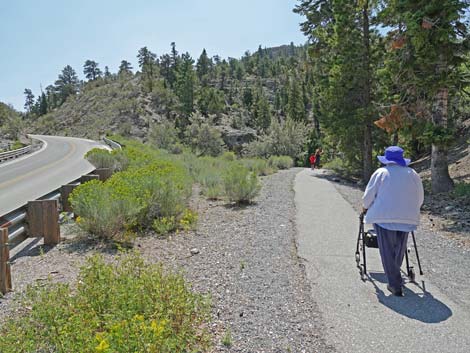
392,246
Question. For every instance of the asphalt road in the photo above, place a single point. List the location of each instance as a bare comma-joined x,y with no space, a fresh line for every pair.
59,162
363,316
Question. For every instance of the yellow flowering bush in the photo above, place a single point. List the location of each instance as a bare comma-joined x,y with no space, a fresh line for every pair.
124,306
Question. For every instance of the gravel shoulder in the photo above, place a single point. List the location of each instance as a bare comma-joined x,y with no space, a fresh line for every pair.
245,258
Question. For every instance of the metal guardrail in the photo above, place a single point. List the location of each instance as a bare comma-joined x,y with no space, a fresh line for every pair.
15,153
37,218
15,220
113,144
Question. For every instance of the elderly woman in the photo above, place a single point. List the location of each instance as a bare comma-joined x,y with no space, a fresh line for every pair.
392,202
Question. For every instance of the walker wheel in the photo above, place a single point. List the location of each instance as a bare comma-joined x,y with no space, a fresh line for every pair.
411,275
358,259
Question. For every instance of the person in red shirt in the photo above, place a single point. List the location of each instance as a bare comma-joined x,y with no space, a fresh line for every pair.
312,161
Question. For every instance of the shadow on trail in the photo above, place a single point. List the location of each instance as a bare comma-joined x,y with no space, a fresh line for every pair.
418,304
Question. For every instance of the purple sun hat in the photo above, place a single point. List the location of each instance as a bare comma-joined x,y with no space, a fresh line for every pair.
394,154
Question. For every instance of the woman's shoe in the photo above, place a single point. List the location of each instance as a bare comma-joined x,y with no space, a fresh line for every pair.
395,292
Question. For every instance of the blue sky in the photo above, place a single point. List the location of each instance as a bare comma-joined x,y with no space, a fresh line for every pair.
38,38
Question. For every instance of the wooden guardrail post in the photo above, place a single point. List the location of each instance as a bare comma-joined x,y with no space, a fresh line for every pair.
65,191
89,177
5,271
104,173
43,221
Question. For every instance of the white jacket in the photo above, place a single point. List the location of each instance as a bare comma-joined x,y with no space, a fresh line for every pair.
394,194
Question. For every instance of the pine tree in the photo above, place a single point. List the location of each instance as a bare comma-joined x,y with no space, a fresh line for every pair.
203,67
340,50
51,95
224,72
185,86
29,100
434,34
107,73
91,70
43,109
125,68
148,64
174,65
247,96
296,108
67,84
165,68
261,111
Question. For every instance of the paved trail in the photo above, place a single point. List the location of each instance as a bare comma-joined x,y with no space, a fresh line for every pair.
363,316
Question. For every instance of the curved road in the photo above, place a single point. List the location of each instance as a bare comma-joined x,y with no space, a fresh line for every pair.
59,162
362,317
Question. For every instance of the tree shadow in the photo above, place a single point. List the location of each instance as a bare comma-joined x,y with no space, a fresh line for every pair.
417,304
338,179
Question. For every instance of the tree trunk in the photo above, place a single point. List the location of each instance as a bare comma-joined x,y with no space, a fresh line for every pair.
367,152
367,143
440,178
395,138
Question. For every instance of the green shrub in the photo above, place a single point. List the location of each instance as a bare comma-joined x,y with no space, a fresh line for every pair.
164,135
102,158
340,165
286,139
240,185
151,188
204,139
164,225
16,145
188,220
100,212
258,165
127,306
462,189
160,189
211,182
281,162
229,156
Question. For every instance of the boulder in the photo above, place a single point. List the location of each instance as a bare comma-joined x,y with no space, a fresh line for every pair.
234,138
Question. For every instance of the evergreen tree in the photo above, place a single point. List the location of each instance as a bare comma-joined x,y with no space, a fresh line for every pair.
166,68
67,84
107,74
51,95
91,70
185,86
29,100
247,97
211,101
340,49
224,72
43,109
125,68
296,108
147,64
203,67
434,34
262,111
174,65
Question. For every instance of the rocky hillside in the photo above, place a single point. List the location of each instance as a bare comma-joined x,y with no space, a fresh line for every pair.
238,97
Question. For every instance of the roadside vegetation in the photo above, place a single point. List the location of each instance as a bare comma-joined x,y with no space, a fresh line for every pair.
150,188
125,306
